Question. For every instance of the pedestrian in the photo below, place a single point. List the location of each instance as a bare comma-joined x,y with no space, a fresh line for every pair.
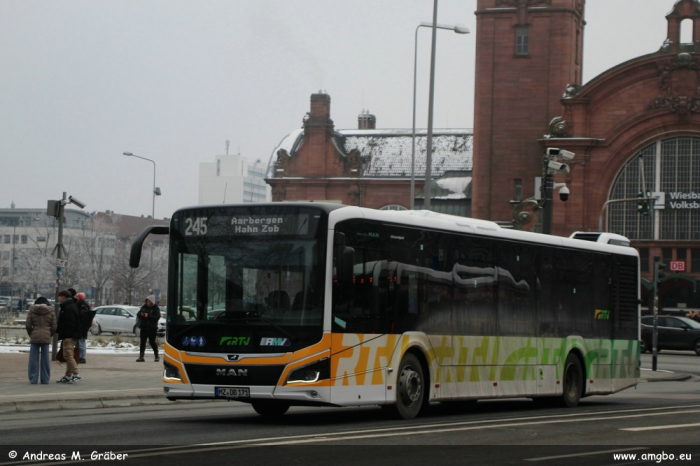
81,340
41,326
69,331
148,318
86,317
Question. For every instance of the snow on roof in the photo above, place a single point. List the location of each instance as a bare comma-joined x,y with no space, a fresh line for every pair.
290,143
453,187
386,153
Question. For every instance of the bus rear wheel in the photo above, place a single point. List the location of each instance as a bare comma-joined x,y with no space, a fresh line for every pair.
573,382
411,388
270,408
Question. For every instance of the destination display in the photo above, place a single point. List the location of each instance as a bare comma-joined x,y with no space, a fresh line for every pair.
233,224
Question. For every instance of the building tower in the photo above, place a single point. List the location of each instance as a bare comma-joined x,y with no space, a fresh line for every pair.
527,53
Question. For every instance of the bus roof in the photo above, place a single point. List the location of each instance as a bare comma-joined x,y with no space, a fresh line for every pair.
434,220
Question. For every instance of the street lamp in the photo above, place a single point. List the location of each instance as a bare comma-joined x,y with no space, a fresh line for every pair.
156,191
456,29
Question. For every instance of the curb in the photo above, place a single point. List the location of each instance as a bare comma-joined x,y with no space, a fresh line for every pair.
10,407
664,376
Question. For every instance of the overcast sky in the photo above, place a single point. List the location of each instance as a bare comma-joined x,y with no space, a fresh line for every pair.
84,81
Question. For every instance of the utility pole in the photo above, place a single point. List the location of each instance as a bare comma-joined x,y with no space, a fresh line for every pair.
57,209
60,262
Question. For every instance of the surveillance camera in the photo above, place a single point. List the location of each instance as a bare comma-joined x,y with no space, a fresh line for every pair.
564,194
557,166
566,155
76,202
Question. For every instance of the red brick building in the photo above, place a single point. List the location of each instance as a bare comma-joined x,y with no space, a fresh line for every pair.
634,128
368,167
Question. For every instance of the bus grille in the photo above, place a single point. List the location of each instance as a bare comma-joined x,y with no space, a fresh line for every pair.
221,374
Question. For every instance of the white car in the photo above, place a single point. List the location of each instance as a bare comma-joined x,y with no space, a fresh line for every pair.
116,319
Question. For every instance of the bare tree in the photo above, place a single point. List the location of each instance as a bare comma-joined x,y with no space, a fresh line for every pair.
35,264
140,280
99,241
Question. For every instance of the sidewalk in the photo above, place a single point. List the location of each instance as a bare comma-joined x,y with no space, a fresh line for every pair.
109,380
115,380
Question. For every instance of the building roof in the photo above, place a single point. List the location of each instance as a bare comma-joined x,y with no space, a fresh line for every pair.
129,225
386,153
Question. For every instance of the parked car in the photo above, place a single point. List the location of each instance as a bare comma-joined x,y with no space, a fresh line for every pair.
674,333
116,319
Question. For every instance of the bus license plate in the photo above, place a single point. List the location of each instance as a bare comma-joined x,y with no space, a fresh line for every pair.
232,392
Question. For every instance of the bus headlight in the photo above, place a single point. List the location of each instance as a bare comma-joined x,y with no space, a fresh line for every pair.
171,372
314,372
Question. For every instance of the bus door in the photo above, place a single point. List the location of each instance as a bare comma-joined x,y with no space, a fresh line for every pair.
361,348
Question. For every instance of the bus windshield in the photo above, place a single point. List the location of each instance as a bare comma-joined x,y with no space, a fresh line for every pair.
246,293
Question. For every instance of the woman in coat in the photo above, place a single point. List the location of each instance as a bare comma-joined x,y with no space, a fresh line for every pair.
41,325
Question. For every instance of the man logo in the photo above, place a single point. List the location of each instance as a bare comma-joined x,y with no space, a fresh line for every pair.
233,372
233,357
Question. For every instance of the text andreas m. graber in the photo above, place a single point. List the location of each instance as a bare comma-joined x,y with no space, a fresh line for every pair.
72,456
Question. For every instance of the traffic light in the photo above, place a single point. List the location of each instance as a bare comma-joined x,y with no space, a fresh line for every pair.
659,274
642,204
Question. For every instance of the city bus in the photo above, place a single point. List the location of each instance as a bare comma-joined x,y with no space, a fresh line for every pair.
320,304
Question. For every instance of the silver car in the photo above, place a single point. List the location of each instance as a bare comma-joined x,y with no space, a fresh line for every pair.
115,319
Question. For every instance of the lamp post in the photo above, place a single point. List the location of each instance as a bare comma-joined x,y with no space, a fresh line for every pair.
156,191
456,29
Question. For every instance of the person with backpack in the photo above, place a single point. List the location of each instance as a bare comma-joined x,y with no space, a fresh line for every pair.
86,317
148,317
41,325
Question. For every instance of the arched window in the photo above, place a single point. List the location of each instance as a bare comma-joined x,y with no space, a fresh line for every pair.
687,31
670,167
393,207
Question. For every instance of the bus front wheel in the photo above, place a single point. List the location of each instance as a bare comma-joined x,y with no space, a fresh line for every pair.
573,382
411,388
270,408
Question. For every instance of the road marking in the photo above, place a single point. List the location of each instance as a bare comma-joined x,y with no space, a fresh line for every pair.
676,426
574,455
396,431
393,433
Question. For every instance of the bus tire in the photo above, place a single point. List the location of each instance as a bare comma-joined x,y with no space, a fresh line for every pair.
573,382
410,388
270,408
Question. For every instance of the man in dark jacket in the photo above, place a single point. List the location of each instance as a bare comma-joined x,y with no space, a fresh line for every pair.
86,317
148,318
69,331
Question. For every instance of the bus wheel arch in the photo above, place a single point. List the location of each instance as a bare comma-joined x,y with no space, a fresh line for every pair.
573,380
412,385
